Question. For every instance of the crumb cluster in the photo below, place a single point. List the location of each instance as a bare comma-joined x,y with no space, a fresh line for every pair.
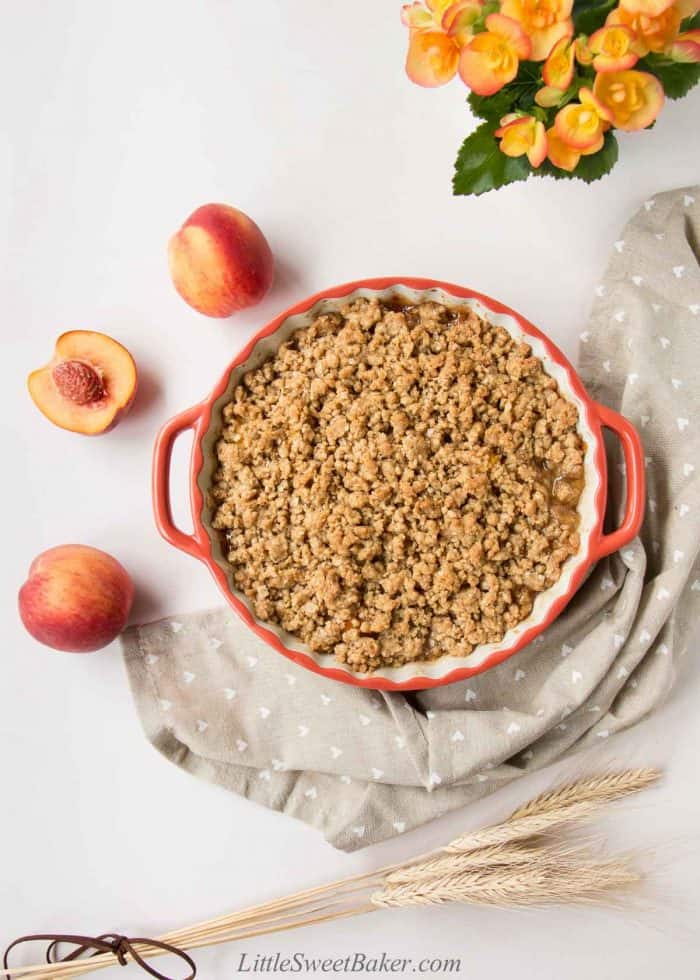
398,483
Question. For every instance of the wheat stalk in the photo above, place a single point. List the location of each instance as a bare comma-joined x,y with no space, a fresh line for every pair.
565,804
595,790
506,856
542,884
508,865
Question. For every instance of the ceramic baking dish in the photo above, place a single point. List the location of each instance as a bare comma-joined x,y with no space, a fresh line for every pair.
207,544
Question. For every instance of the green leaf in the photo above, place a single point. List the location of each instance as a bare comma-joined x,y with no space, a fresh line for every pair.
516,95
589,168
481,167
588,17
491,107
691,23
676,77
526,83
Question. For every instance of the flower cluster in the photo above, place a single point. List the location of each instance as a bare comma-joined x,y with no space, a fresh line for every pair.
553,78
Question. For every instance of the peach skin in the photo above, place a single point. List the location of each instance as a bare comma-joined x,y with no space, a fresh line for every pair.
220,261
88,385
76,598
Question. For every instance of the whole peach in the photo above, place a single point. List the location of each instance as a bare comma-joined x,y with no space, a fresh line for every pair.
76,598
220,261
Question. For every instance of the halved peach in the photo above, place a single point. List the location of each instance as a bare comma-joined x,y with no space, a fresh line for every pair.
88,385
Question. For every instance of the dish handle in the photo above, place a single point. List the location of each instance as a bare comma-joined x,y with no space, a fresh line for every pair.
634,464
193,544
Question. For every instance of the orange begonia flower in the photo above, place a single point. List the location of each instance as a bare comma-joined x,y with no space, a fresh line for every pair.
491,58
558,69
459,18
523,135
417,17
654,8
652,33
633,98
440,14
686,47
544,22
438,30
614,48
548,97
564,156
557,72
581,124
432,58
584,55
424,16
651,8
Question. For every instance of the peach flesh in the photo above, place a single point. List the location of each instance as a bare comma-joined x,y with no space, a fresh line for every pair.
220,261
88,385
76,598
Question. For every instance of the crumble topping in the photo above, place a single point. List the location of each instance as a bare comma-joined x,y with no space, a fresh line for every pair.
398,483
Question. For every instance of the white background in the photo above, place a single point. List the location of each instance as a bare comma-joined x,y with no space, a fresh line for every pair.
121,118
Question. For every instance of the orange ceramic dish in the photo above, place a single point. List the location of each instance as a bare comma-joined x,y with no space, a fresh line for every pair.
206,543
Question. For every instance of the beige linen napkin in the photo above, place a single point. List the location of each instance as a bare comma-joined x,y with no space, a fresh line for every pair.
362,766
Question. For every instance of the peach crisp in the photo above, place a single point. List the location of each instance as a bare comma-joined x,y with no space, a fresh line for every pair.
398,483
